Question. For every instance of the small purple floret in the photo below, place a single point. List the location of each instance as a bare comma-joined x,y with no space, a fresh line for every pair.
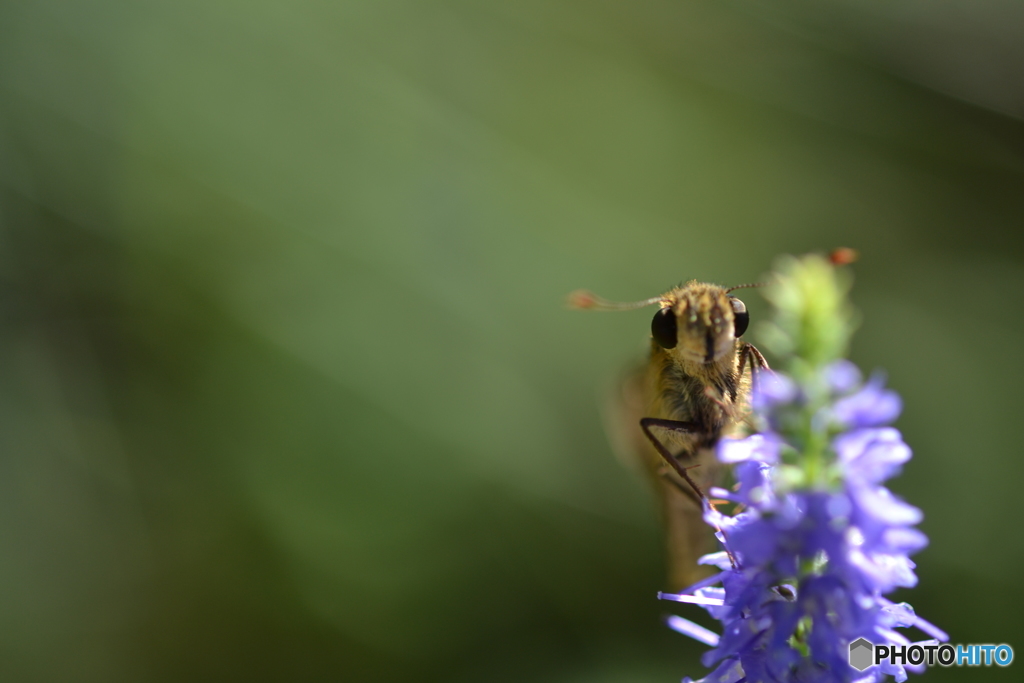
871,406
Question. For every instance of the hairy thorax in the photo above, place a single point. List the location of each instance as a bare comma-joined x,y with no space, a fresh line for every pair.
707,395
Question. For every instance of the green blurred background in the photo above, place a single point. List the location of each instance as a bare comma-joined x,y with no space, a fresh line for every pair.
287,388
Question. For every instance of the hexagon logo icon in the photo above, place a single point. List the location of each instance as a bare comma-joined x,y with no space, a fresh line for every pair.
862,652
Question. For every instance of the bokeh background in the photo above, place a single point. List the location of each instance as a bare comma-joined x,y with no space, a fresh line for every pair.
287,388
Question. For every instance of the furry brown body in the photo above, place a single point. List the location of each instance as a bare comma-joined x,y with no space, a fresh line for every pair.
692,391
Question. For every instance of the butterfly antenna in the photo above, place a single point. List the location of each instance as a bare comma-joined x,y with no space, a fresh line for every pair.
746,286
585,299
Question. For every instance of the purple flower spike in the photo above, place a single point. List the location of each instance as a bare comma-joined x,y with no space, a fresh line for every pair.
811,563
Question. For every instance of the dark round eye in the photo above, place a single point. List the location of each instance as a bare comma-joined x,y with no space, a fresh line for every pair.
740,316
663,328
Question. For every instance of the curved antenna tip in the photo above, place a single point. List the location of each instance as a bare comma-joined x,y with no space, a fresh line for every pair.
581,298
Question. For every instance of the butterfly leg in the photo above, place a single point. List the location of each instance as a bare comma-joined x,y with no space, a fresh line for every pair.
684,428
675,426
750,354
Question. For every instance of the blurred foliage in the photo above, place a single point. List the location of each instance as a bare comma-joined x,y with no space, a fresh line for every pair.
287,390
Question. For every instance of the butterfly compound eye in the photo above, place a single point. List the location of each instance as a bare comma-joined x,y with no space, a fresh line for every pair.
663,328
741,318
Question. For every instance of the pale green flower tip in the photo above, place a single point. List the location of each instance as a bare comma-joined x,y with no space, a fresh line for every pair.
813,320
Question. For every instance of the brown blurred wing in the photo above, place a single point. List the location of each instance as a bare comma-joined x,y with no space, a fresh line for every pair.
687,535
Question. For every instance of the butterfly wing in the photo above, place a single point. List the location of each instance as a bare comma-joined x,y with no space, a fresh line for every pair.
688,537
